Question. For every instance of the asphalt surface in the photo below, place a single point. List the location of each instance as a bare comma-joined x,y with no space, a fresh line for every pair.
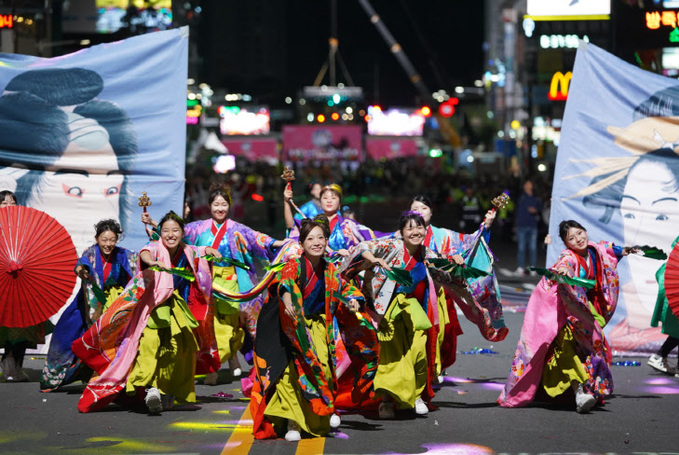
639,418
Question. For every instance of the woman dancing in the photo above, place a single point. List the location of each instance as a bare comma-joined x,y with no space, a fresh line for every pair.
295,351
344,232
457,247
562,348
144,344
240,243
409,316
105,270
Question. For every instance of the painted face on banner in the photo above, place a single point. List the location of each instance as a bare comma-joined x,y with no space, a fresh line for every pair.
67,152
74,194
650,216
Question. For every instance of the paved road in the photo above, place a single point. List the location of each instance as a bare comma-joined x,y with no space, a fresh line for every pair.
640,418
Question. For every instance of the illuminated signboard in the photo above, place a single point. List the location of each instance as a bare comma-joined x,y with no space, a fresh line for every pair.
395,122
558,88
6,21
657,19
193,111
561,41
150,16
241,120
569,9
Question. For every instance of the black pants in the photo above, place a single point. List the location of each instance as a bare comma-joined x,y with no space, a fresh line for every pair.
669,344
16,351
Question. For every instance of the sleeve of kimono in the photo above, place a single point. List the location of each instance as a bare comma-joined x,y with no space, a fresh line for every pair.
566,259
349,291
361,232
191,232
131,262
459,243
351,263
617,250
259,244
84,260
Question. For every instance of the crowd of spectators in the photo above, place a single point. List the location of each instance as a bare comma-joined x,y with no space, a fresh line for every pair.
459,196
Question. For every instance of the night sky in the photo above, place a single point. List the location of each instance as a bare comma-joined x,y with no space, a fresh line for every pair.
451,54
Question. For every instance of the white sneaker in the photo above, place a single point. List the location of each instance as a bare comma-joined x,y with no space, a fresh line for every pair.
335,421
520,271
211,379
583,401
153,401
421,407
234,366
293,433
661,364
386,410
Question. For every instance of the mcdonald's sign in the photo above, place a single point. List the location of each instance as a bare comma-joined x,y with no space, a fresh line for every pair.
558,88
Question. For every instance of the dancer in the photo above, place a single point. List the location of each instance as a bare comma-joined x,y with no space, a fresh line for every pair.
295,351
409,316
105,269
459,247
144,344
344,232
562,347
670,324
15,340
240,243
313,207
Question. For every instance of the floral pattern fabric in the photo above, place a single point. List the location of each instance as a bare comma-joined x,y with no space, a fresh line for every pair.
553,306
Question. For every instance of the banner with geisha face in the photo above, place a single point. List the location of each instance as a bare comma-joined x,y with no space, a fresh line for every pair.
617,173
82,135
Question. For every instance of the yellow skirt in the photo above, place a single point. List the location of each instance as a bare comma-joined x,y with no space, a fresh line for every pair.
167,355
402,368
287,402
564,367
228,332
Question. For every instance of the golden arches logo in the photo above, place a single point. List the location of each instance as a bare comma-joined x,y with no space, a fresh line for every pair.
558,89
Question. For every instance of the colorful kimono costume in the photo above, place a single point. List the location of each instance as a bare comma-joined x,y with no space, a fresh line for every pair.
296,360
109,278
662,313
234,241
485,290
344,233
562,338
409,321
309,209
146,337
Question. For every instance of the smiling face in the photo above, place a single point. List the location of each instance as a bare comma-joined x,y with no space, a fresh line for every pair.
171,233
413,234
330,202
315,243
219,208
576,240
107,241
423,209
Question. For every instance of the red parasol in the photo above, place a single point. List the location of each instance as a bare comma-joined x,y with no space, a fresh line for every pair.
37,258
672,280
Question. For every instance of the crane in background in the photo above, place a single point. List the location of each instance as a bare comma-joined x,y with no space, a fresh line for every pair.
445,127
